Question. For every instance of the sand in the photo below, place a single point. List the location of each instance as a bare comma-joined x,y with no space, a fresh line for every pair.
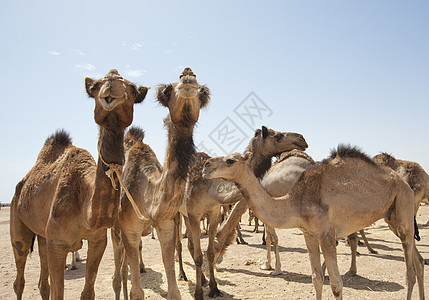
380,276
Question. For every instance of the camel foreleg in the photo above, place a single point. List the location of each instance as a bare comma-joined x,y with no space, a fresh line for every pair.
96,246
167,238
44,287
316,269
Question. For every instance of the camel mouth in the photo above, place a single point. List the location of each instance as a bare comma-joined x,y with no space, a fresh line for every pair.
207,174
109,103
188,89
300,147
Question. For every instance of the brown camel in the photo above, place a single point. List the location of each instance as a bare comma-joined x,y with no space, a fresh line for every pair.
346,192
206,197
66,197
159,191
412,173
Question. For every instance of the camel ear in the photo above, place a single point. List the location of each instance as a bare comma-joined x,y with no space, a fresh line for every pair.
163,93
247,156
89,86
264,132
204,95
257,132
141,94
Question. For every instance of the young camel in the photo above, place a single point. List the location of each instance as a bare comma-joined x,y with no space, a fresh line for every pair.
206,197
159,191
331,200
66,197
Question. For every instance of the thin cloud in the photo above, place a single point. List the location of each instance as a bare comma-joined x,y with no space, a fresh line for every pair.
135,73
85,67
54,53
134,46
78,52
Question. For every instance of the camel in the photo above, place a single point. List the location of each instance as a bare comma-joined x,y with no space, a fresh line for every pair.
159,191
344,193
66,197
412,173
278,181
206,197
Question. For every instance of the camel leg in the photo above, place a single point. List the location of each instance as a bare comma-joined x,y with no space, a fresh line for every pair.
74,259
353,242
118,253
368,246
275,241
131,240
264,242
57,255
329,249
214,221
44,287
194,246
239,238
167,239
267,265
96,246
178,227
419,263
141,263
316,269
21,238
256,229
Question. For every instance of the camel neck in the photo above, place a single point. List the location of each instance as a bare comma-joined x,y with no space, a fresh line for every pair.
105,199
279,212
260,164
171,188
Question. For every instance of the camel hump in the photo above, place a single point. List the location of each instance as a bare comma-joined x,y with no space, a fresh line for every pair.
134,135
348,151
295,153
59,138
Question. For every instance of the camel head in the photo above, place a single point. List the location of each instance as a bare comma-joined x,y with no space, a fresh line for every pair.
114,99
184,99
271,142
385,159
228,167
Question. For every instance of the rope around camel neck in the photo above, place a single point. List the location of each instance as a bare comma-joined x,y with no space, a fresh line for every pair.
116,168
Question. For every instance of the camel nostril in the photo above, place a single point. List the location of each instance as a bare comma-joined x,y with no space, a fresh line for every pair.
206,164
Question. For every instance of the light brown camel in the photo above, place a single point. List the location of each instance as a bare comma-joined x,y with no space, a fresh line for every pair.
412,173
331,200
159,191
278,181
206,197
66,197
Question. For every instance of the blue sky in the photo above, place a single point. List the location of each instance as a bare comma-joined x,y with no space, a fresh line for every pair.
336,71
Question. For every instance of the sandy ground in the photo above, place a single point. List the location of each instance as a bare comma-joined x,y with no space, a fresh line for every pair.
380,276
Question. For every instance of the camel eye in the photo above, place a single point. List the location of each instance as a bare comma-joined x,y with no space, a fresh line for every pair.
230,161
278,137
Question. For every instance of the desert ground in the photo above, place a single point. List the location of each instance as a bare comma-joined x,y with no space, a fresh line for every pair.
380,276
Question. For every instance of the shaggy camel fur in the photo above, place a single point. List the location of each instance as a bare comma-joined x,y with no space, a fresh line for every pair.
159,191
346,192
66,197
206,197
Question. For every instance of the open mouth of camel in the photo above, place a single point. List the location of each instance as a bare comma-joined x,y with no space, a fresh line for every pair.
109,102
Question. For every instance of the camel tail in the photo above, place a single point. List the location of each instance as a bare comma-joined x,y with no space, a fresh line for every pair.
416,230
134,135
32,243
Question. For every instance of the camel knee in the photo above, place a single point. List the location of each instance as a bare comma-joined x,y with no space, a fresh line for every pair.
18,286
44,289
198,260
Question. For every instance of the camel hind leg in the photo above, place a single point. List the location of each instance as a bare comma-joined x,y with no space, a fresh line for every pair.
22,239
400,219
44,287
